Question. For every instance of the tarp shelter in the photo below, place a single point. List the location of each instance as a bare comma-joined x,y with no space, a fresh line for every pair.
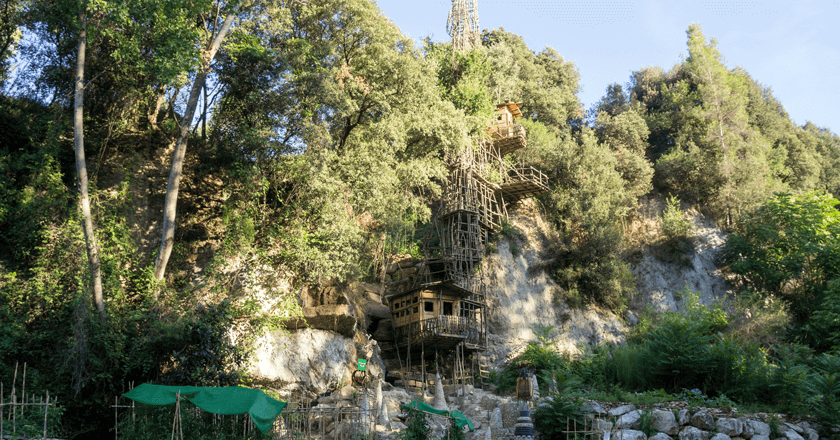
217,400
460,419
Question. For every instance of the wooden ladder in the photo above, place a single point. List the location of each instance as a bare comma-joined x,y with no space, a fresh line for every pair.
481,371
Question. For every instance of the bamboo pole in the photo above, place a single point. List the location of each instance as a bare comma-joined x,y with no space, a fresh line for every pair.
13,398
116,419
46,410
175,418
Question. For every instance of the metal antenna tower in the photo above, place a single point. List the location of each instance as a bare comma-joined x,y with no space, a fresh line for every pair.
462,24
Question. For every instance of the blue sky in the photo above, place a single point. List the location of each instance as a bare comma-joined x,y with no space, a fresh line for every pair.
793,47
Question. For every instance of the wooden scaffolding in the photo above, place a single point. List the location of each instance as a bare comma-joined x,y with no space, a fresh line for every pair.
444,307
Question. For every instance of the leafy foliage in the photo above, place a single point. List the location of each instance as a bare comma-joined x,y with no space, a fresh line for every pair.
788,248
416,426
209,357
550,417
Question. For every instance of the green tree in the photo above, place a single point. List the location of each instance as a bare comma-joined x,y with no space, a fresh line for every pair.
787,247
81,167
626,135
211,45
544,81
717,157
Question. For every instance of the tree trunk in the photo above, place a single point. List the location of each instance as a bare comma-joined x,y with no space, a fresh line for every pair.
171,200
153,112
81,169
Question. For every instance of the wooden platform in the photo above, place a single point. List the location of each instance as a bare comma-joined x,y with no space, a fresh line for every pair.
523,189
509,144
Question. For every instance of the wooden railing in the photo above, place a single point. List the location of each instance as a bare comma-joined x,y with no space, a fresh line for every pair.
524,173
465,327
506,130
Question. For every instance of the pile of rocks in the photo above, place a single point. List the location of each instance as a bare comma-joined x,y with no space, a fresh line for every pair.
625,421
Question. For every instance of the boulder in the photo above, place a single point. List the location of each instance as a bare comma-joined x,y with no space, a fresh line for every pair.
665,422
748,431
729,426
621,410
760,437
790,434
660,436
601,425
340,318
593,407
797,428
811,434
630,434
629,420
693,433
310,359
703,420
720,436
683,417
759,428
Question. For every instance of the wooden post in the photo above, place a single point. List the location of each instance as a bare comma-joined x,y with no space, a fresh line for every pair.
13,399
177,412
463,376
423,366
46,410
23,387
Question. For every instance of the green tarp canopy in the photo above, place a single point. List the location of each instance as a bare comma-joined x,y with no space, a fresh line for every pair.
460,419
217,400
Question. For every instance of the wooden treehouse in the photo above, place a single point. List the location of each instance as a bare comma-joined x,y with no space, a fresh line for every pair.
443,308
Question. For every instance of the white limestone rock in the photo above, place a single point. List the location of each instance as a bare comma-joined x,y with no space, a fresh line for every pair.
759,428
661,436
621,410
694,433
703,420
630,434
629,421
729,426
684,417
665,422
312,359
749,431
593,407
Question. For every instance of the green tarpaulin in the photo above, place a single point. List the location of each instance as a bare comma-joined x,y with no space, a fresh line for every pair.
460,419
217,400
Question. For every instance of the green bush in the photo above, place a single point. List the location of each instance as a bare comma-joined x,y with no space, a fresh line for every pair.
416,426
674,223
823,389
587,263
208,358
550,418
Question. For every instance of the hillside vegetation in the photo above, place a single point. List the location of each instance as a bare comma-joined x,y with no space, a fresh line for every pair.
316,149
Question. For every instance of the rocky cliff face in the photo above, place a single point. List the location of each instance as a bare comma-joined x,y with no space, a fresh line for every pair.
658,283
520,299
344,322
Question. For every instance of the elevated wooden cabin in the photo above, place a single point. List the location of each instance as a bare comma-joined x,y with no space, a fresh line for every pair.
438,318
508,136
